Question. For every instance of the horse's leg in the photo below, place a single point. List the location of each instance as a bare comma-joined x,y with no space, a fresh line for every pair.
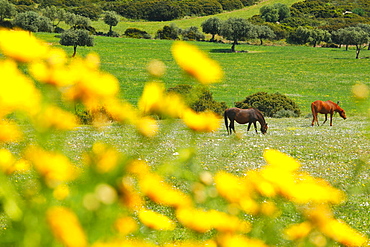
331,119
249,126
232,126
326,118
255,126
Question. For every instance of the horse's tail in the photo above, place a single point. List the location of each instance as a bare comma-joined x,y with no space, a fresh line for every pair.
226,122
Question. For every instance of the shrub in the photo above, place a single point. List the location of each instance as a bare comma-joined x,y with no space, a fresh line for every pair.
199,98
271,105
192,33
136,33
168,32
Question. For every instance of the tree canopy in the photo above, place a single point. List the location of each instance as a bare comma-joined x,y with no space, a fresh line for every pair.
76,37
235,29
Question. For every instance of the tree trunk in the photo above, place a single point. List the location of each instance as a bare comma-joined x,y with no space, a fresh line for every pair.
233,46
358,49
110,30
213,38
74,50
261,42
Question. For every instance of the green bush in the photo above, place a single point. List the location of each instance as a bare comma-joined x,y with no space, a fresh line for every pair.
271,105
168,32
199,98
136,33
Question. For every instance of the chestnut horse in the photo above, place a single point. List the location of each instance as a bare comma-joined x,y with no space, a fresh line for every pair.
243,116
325,107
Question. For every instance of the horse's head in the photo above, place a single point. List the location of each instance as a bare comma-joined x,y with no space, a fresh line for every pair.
342,113
264,128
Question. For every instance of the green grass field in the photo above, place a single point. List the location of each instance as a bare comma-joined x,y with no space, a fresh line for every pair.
337,154
303,73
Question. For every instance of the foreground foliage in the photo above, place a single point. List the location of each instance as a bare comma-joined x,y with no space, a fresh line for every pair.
107,198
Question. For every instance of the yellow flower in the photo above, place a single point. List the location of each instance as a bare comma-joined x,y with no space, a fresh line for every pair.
153,186
147,126
9,131
17,92
322,218
61,192
66,227
280,160
231,187
21,45
54,166
298,231
52,117
103,157
360,91
129,196
234,240
155,220
152,97
194,219
156,68
201,122
6,160
126,225
196,63
90,86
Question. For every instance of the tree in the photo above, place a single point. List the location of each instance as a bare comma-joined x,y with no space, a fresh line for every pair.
77,21
168,32
274,13
304,35
235,29
264,32
7,10
56,15
32,22
111,19
76,37
354,36
212,26
366,28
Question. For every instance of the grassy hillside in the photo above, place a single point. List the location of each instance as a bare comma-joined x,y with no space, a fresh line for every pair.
152,27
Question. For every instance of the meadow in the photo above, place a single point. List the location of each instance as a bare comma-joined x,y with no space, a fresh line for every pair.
337,154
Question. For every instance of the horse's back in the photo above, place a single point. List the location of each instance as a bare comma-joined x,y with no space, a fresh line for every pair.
323,107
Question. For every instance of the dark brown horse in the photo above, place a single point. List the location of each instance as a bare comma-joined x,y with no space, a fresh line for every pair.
325,107
243,116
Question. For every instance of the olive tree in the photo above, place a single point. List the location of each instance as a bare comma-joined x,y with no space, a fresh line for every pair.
264,32
212,26
76,37
366,28
111,19
56,15
354,36
32,22
236,29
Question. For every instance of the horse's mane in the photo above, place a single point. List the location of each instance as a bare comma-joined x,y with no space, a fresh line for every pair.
258,112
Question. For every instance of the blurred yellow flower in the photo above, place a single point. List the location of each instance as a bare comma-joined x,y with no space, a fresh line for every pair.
61,192
17,92
90,86
6,160
298,231
280,160
231,187
153,186
52,117
21,45
53,166
147,126
235,240
321,217
196,63
66,227
9,131
201,122
103,157
126,225
360,91
156,68
155,220
151,98
129,195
